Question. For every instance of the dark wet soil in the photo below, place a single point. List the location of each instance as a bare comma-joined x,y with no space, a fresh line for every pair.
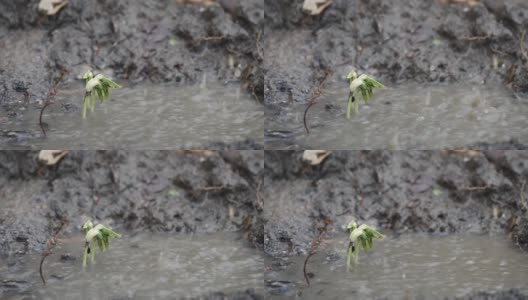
180,192
434,192
159,41
159,191
394,41
131,191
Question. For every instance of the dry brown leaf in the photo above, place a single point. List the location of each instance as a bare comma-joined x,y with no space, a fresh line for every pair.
315,157
315,7
51,157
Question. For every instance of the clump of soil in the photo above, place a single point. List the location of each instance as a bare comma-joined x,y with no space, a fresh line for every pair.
433,192
395,41
158,191
156,40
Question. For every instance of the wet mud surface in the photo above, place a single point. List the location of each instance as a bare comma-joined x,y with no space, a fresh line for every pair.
410,266
431,192
394,41
163,117
407,117
143,191
141,265
158,41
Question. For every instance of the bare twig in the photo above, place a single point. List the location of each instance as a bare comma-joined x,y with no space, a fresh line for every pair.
48,103
197,152
304,267
50,245
521,194
260,201
316,93
521,42
315,245
213,188
246,83
467,2
475,38
209,38
259,49
49,100
475,188
205,3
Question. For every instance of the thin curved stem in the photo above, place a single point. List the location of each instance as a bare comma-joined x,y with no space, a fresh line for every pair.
86,101
316,93
92,250
351,99
86,247
306,113
356,258
48,103
93,102
349,255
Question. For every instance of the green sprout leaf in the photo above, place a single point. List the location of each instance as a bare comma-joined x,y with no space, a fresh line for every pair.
360,236
363,85
99,235
99,85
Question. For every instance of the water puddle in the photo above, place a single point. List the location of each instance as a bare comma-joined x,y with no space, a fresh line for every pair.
144,117
145,267
411,267
404,118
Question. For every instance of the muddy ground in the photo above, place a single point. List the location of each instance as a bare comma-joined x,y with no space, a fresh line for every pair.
432,192
131,41
153,191
404,41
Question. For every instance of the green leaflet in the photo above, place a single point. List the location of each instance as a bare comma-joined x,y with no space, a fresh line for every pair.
109,83
364,94
350,104
92,258
100,94
86,103
349,255
363,85
93,101
85,254
364,243
360,236
100,244
102,89
99,235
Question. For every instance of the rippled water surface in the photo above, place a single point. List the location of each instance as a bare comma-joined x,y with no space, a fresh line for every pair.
144,117
145,267
404,118
412,267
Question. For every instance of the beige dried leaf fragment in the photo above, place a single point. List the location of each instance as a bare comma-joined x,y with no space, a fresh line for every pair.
51,7
315,7
315,157
51,157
